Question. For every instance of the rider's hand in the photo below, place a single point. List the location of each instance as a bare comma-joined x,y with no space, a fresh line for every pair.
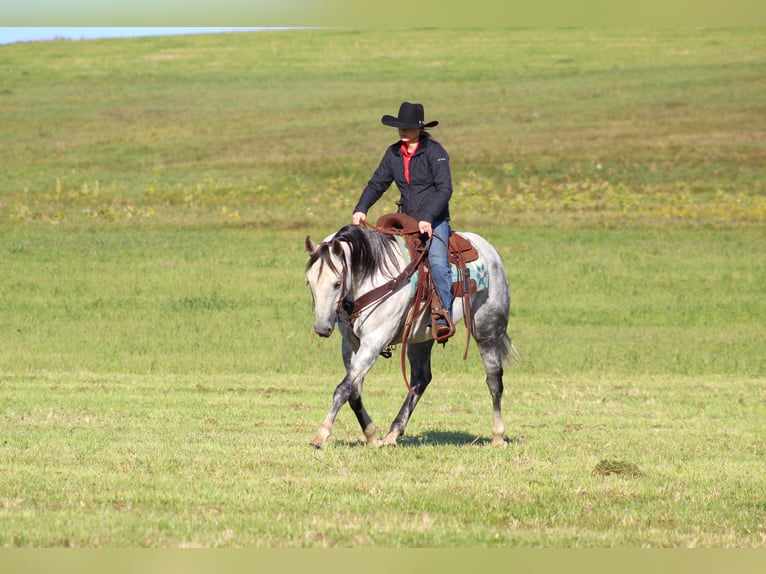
425,227
358,217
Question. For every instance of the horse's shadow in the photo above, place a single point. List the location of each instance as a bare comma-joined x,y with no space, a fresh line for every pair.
435,438
441,438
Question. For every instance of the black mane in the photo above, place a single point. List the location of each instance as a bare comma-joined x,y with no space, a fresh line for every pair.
370,251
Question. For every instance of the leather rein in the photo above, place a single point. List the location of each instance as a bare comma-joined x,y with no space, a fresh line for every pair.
380,293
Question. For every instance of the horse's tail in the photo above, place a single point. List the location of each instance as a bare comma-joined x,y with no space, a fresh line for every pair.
511,352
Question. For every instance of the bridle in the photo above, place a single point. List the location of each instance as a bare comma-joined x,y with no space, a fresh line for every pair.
421,299
377,295
342,303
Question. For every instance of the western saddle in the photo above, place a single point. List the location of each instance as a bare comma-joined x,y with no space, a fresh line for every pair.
461,252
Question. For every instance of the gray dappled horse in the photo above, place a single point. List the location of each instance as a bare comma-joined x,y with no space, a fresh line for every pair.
356,260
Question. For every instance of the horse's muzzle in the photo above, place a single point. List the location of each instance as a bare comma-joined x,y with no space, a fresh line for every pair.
324,330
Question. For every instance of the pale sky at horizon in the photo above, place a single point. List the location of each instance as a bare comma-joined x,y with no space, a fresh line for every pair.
19,34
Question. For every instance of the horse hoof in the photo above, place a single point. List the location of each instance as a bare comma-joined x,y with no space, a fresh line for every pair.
499,442
370,435
389,440
318,441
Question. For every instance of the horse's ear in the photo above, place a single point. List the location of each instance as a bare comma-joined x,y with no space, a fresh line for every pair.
310,245
337,248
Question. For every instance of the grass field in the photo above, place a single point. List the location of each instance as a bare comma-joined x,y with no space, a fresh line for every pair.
159,382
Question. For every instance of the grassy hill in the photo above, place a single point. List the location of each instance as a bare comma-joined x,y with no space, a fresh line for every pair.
284,126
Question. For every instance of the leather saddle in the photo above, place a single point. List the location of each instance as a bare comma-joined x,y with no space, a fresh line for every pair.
461,252
460,249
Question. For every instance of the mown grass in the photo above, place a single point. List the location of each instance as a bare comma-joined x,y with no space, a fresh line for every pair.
200,461
159,388
158,379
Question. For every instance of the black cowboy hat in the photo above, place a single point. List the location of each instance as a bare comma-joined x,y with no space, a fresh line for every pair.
410,118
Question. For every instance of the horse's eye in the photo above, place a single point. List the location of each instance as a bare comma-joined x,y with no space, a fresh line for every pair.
337,285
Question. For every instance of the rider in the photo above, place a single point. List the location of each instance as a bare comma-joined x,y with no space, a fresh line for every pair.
420,167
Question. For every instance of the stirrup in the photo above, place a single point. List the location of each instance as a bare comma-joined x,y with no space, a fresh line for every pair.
440,331
443,333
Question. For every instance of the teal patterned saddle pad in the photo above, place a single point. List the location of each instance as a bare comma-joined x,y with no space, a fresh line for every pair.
477,270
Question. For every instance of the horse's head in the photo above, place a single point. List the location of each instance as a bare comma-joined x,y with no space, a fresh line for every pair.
327,277
351,259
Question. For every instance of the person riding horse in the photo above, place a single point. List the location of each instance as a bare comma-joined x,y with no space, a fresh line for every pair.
420,167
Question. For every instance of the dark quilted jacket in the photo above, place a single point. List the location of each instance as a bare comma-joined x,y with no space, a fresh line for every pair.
426,197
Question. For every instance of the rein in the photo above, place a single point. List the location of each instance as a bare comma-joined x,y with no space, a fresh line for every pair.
382,292
379,294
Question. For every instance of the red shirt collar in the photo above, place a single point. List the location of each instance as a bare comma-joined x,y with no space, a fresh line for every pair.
406,159
405,153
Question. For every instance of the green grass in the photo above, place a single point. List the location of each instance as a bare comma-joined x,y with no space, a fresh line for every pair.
159,388
285,126
222,460
159,382
212,300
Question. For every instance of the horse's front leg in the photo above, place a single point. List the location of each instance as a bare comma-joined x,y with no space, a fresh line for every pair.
369,429
339,398
419,356
350,389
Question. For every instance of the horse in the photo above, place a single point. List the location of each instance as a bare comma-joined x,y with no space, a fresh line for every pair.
356,260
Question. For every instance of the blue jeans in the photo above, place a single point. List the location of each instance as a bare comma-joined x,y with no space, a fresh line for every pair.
438,261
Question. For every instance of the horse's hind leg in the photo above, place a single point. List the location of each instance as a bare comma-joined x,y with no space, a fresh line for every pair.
492,353
419,356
